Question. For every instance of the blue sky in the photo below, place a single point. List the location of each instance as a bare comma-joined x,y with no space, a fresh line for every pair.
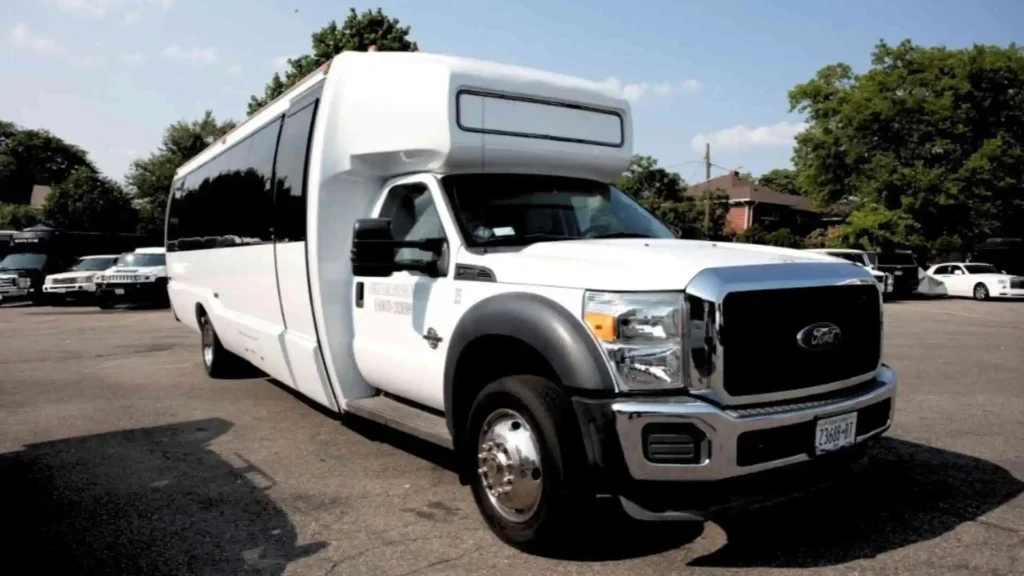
110,75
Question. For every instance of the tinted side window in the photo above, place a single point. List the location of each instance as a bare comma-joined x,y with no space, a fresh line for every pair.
413,217
290,175
174,214
228,200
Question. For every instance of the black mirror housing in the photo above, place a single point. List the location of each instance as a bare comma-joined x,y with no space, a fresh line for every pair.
373,248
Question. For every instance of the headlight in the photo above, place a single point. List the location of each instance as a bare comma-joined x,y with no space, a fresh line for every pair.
1002,281
641,334
48,281
24,282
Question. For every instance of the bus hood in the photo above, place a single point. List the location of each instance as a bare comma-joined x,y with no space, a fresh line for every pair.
631,264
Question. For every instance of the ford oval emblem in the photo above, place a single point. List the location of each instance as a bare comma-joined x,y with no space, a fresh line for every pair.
820,336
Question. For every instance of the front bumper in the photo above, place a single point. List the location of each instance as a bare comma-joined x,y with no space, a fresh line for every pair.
732,446
133,291
85,289
1005,292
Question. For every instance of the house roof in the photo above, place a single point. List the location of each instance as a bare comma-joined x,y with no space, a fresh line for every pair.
741,190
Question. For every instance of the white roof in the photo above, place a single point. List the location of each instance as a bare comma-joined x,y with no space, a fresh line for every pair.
383,114
150,250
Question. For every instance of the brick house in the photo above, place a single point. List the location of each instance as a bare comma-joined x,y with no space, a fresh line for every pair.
751,203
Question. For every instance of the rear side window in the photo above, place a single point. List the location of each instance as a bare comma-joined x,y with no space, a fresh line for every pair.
290,175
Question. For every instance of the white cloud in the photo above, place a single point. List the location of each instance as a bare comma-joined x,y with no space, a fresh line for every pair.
280,63
104,8
132,57
197,56
638,91
21,37
739,136
87,62
235,70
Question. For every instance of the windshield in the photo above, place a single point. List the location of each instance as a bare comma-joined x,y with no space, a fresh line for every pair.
897,259
92,264
981,269
515,210
141,260
23,261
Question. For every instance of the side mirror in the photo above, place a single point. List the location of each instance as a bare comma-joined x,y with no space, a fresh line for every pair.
374,248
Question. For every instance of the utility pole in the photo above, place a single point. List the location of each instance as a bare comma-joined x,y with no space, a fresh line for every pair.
707,189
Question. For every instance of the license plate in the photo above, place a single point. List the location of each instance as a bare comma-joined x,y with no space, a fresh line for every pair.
835,433
60,289
119,291
898,273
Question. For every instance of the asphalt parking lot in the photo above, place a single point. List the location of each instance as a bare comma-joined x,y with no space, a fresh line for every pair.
118,455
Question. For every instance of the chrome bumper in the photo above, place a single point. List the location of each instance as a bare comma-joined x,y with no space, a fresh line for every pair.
723,427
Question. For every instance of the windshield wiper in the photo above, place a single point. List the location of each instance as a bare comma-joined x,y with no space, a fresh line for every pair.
525,239
620,235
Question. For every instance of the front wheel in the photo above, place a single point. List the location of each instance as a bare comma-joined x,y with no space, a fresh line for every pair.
980,292
530,479
218,362
105,302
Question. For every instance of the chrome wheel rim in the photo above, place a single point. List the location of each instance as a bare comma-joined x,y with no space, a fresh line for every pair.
207,342
509,463
979,292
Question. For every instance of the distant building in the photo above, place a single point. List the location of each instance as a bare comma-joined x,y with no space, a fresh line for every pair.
752,204
39,194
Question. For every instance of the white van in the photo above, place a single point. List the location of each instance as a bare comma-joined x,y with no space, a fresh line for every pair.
432,242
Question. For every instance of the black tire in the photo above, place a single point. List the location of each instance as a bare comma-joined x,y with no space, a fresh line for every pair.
564,495
105,302
217,360
980,291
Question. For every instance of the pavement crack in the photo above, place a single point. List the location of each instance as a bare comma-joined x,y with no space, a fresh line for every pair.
997,526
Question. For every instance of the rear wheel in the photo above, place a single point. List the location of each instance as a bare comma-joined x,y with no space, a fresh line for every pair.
530,480
218,362
105,302
980,292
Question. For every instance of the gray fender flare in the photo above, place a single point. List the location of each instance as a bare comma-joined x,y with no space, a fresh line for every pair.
545,325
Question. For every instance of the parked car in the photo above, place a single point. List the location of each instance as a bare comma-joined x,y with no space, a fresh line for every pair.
137,277
977,280
78,283
903,267
860,258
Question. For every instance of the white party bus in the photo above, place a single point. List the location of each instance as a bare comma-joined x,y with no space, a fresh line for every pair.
431,242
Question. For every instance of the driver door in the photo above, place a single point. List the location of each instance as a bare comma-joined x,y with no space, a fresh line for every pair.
402,322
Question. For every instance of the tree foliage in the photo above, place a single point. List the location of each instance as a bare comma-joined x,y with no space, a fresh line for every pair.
30,157
358,32
782,180
925,147
149,179
17,216
663,193
89,202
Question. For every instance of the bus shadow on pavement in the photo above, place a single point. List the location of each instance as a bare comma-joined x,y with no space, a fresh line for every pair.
143,501
908,493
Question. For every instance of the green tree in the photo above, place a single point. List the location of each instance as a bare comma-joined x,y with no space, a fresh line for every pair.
149,179
17,216
89,202
928,143
663,193
30,157
781,180
358,32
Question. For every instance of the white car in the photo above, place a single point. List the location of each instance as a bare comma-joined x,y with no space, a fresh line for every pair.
860,258
80,280
977,280
139,276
